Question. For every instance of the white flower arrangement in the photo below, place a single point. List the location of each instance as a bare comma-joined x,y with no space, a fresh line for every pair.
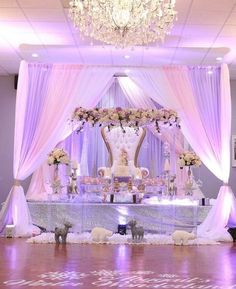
125,117
188,158
58,156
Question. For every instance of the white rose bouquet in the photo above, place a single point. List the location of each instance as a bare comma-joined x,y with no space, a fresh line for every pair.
188,158
58,156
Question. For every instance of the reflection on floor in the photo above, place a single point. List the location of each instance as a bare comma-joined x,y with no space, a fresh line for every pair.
25,265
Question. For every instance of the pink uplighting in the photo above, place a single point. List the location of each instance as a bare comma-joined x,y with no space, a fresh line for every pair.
168,202
117,152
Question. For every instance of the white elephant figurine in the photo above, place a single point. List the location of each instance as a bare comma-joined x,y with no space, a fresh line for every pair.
100,234
181,237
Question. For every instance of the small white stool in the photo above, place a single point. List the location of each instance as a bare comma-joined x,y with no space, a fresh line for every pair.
10,231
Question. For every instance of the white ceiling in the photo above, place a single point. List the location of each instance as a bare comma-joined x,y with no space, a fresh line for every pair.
205,29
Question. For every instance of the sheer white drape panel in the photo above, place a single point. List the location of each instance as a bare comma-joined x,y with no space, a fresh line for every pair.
40,185
225,121
203,102
223,213
46,98
220,216
172,88
134,94
155,85
137,98
196,131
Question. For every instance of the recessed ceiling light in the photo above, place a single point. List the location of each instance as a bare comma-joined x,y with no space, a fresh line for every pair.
219,58
127,56
35,55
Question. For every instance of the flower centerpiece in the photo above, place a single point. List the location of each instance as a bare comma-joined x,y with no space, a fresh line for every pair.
58,156
125,117
187,159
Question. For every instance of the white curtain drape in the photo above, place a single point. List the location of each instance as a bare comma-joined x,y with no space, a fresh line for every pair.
45,100
48,93
40,186
150,155
139,99
174,88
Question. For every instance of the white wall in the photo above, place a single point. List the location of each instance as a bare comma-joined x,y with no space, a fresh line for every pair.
7,109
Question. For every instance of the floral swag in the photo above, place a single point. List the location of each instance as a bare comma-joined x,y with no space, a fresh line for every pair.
125,117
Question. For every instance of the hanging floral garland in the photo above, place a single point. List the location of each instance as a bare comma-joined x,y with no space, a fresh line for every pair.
125,117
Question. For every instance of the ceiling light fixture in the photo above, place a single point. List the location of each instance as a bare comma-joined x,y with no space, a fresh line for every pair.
219,58
126,56
123,23
35,55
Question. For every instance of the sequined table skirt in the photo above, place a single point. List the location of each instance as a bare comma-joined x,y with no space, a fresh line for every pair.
163,219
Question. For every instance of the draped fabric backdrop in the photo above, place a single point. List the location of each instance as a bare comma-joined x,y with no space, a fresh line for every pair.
46,96
122,93
48,93
188,90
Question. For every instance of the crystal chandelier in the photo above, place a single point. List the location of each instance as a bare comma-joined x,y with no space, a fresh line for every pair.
123,23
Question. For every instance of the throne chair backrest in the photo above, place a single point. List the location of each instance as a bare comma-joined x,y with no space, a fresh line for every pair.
117,141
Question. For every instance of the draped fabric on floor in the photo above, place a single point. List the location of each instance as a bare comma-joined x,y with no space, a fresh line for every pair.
48,93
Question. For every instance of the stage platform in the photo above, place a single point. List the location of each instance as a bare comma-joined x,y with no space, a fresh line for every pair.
163,219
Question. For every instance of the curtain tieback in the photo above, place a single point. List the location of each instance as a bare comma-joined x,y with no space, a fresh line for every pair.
16,182
225,184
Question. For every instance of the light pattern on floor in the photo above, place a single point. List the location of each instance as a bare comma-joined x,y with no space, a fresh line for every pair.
117,279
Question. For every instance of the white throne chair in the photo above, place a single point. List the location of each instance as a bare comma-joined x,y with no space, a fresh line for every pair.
123,151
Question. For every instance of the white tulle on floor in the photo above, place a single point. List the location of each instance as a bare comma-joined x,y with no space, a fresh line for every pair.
15,211
151,239
221,216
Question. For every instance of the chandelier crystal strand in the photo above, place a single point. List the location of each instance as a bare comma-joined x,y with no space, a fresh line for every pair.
123,23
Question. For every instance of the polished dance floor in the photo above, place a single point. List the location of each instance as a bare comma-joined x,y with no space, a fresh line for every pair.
24,265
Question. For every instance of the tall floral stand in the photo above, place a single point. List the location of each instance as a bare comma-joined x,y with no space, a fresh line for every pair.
189,183
56,183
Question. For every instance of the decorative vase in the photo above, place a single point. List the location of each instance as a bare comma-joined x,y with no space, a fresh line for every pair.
56,184
189,172
189,183
56,171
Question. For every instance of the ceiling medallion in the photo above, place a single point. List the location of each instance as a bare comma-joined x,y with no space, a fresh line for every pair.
123,23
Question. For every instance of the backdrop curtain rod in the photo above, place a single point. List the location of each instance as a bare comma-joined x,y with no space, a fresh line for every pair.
129,66
117,75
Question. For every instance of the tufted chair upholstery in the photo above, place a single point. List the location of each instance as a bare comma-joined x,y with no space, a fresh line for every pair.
116,141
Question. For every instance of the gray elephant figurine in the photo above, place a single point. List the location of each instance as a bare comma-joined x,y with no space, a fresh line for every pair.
137,232
61,233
